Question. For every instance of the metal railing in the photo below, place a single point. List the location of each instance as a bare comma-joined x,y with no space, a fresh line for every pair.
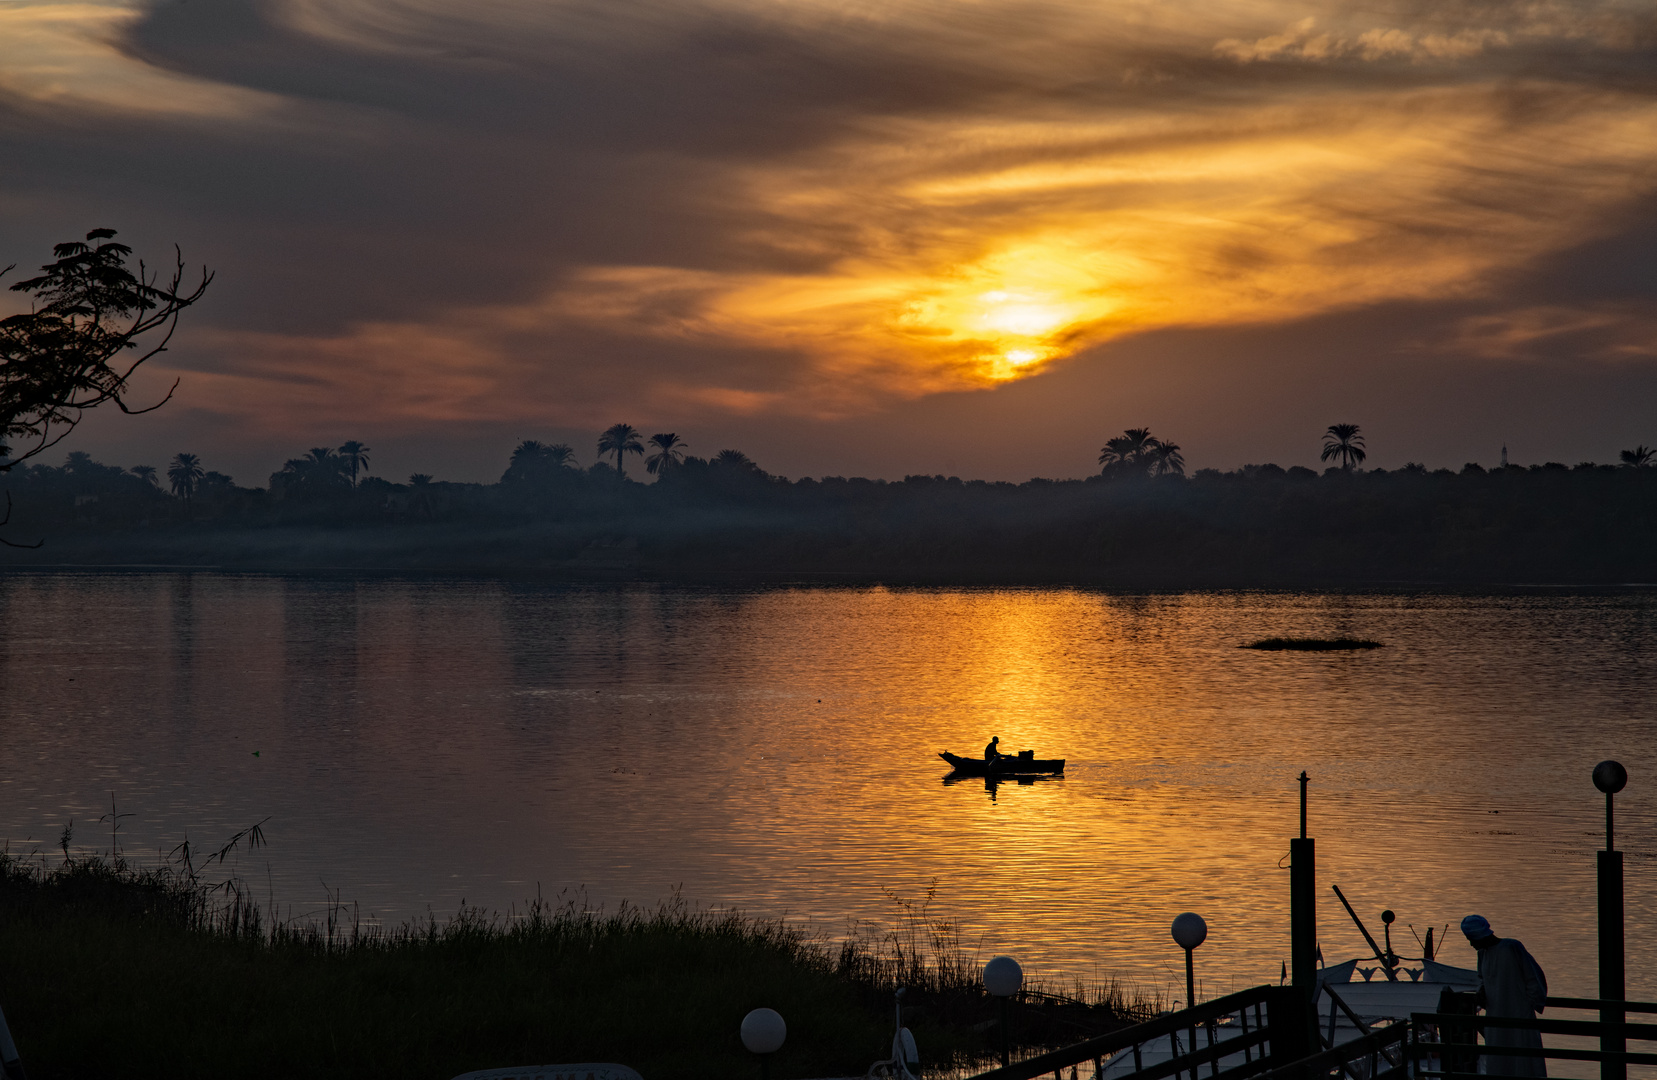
1379,1054
1443,1046
1236,1026
1232,1038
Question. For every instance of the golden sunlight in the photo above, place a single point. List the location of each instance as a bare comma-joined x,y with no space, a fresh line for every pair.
1133,223
1040,295
949,252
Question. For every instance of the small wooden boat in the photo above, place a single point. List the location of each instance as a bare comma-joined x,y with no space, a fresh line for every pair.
1025,763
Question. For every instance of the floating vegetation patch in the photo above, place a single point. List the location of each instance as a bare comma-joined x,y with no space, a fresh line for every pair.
1311,644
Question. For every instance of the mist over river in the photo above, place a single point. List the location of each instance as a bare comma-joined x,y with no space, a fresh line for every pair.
417,743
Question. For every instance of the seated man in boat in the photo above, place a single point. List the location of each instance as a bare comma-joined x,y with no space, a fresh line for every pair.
1511,984
991,752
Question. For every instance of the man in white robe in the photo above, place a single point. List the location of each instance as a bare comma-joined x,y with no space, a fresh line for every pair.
1512,985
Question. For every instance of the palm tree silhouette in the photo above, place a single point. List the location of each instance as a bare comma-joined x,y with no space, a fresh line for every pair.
526,459
620,439
559,455
1114,452
185,473
1641,457
1134,447
667,453
734,459
146,473
1343,441
420,499
1140,443
356,456
1166,460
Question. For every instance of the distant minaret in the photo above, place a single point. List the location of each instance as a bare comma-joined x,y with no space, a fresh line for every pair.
1504,457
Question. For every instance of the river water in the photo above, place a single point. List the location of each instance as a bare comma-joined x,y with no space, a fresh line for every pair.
417,744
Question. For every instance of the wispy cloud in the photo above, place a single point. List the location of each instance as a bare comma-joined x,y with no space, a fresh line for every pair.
1305,41
546,209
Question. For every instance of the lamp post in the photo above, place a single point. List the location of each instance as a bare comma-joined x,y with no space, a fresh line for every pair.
763,1031
1610,777
1002,978
1190,931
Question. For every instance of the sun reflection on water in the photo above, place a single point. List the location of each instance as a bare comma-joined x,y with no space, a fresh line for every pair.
424,742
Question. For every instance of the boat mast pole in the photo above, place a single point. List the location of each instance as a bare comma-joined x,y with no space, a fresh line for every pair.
1610,777
1304,779
1303,925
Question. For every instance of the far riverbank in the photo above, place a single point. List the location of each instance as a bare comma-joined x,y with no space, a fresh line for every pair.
1259,527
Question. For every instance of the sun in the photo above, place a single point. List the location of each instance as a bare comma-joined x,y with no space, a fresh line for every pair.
1012,312
1021,313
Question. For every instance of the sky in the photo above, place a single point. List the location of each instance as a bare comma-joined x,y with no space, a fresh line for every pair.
974,238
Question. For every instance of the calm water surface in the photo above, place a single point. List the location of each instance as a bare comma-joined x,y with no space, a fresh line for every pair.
420,743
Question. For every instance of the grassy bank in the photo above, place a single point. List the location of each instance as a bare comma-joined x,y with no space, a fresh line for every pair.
108,969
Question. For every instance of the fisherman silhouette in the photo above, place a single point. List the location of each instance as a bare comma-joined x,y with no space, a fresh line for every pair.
990,751
1511,984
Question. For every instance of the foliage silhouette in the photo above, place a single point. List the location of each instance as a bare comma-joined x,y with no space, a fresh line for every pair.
1342,441
1137,452
321,473
1166,460
536,462
668,453
59,359
184,474
620,439
1641,457
356,457
1256,525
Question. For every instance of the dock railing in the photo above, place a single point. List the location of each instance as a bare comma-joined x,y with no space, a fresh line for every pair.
1229,1038
1443,1047
1380,1054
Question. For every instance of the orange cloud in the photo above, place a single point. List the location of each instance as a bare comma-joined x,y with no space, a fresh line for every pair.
820,229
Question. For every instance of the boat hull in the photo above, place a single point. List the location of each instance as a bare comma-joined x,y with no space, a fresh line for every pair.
1005,766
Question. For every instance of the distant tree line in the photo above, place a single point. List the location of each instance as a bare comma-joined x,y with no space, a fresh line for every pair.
1139,520
93,321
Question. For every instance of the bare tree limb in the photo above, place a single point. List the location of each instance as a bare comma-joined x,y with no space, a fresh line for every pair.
6,519
58,360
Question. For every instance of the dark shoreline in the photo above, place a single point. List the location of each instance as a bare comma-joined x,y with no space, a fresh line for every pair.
1260,527
828,579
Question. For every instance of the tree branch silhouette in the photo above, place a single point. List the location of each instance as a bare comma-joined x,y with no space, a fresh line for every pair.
59,359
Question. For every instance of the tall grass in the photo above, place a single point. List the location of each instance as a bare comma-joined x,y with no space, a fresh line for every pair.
177,971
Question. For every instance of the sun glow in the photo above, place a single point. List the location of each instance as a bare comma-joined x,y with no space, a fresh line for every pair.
1020,313
1014,310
